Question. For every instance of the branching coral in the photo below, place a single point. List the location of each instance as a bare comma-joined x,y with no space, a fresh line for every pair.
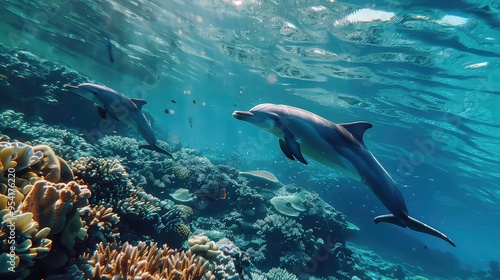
280,274
106,177
144,262
11,119
102,216
175,224
281,230
101,224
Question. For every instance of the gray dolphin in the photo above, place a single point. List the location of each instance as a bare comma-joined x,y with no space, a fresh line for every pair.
339,146
120,108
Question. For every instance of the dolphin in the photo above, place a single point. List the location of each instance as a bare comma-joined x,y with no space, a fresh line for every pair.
339,146
120,108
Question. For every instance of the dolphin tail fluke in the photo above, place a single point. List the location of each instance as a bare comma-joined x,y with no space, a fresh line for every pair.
156,149
415,225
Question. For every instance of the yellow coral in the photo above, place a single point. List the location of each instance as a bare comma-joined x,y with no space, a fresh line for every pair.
16,156
183,230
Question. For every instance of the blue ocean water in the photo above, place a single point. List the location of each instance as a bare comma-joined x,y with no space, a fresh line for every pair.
425,75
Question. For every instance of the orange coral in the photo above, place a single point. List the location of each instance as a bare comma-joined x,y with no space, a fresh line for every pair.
145,262
102,216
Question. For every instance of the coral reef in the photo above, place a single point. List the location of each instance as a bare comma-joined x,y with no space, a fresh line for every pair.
203,246
15,229
280,274
52,167
41,218
101,224
285,232
16,156
276,225
125,261
182,195
289,205
260,178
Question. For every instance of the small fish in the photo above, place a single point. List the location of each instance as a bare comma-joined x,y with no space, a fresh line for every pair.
194,101
110,52
167,111
235,105
157,77
211,193
173,101
190,120
425,247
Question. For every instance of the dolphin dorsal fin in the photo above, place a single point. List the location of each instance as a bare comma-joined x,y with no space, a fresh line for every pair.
138,102
357,129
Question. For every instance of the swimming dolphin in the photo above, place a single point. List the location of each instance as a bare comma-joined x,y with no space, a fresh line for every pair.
120,108
339,146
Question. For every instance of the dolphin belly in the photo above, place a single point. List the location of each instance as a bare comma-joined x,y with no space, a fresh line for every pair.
321,150
327,156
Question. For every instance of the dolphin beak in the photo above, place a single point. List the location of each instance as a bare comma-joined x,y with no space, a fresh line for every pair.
242,115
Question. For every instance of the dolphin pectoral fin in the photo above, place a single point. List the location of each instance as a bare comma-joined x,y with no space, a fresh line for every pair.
138,102
285,150
357,129
110,111
415,225
156,149
389,218
102,112
294,147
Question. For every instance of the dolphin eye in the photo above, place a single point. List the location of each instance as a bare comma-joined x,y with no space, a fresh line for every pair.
275,118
